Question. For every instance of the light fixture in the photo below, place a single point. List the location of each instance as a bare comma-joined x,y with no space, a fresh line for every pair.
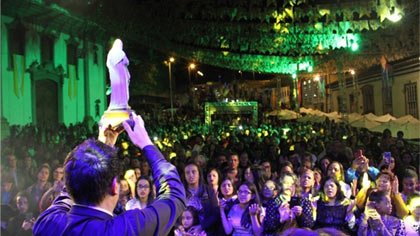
192,66
200,73
171,59
352,72
395,15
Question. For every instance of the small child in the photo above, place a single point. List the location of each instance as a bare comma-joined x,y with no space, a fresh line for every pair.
412,222
189,220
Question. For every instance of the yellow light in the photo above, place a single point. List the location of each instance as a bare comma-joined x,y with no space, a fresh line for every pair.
317,78
192,66
171,59
352,72
124,145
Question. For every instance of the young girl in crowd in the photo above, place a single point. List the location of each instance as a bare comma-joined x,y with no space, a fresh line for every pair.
144,194
202,198
336,170
227,190
271,202
298,209
333,209
245,217
213,179
189,219
377,219
412,222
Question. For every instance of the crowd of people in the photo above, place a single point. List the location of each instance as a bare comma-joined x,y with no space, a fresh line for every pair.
277,178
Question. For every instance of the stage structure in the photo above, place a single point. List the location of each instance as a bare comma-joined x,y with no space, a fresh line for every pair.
235,108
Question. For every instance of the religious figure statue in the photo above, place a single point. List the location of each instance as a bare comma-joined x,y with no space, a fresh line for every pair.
118,109
117,63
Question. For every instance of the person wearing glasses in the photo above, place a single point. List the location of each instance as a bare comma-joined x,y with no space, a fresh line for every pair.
245,217
144,194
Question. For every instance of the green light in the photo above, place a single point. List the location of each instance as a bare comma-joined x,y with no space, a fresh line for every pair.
310,68
294,75
354,46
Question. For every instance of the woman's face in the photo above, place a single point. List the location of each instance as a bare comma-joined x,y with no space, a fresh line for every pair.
307,180
392,164
244,194
324,164
330,189
269,189
187,220
409,185
213,178
192,175
334,171
22,204
289,187
248,175
124,186
226,188
383,183
143,188
43,175
384,207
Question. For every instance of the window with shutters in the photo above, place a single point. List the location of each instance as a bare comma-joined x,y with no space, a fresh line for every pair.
411,106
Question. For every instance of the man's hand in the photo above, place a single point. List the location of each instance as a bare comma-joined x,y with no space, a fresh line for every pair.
138,135
111,136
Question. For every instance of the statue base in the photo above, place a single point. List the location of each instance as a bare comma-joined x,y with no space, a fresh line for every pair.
113,118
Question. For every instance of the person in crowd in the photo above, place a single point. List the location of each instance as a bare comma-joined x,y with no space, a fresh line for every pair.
387,140
29,168
286,168
307,183
8,190
245,217
37,190
130,177
91,177
137,171
16,173
333,209
213,179
244,161
189,219
202,198
254,174
227,192
144,194
23,222
336,170
58,185
388,183
376,218
267,173
412,222
271,202
410,182
318,179
323,164
299,208
359,167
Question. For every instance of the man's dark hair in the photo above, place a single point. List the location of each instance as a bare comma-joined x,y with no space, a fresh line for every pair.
377,196
89,170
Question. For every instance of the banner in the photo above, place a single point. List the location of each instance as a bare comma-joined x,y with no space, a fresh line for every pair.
18,74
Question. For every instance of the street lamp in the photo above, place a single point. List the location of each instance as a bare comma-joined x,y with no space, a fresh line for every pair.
191,66
171,60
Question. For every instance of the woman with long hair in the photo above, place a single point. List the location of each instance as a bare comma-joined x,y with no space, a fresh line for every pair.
333,209
245,217
144,194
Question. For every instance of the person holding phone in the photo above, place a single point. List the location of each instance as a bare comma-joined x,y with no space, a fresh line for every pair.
376,219
360,166
92,172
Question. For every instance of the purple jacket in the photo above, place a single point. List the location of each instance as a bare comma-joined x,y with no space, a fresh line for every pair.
62,218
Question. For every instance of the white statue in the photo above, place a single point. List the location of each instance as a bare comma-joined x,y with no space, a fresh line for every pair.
117,63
